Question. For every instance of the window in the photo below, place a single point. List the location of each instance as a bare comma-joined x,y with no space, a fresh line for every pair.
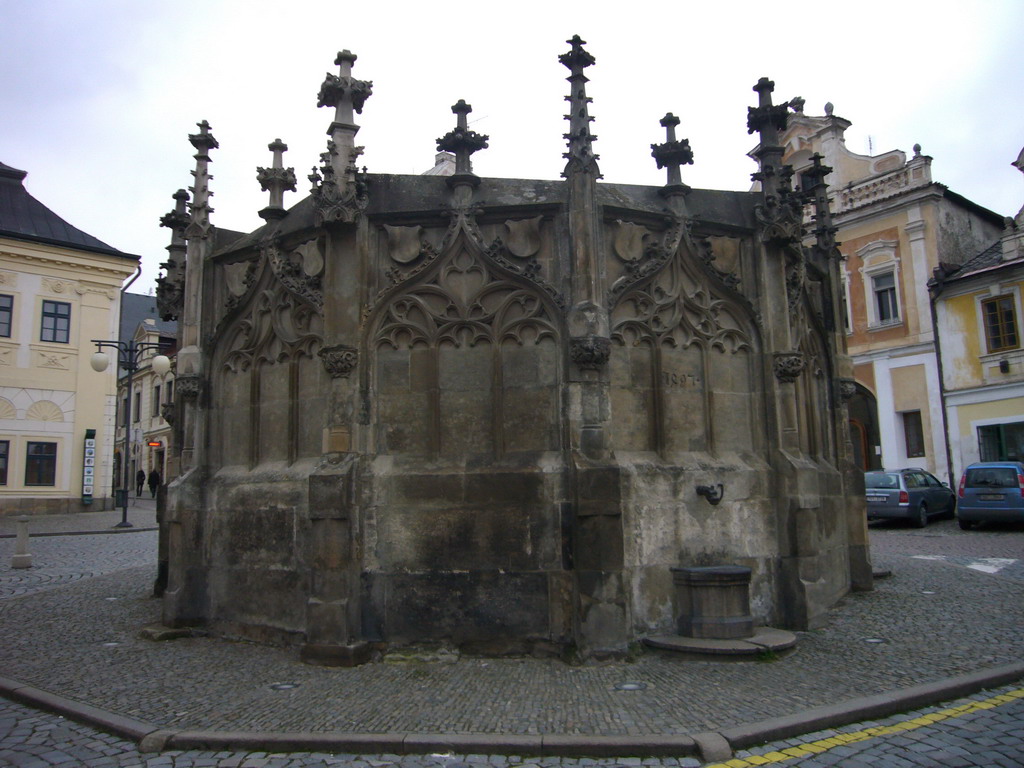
136,406
155,406
6,309
1000,323
913,434
886,309
169,396
41,464
1001,442
5,453
124,411
56,321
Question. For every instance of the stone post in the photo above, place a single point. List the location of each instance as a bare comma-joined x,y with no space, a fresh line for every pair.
22,558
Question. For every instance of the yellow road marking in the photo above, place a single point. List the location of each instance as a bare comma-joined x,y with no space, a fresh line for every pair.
840,739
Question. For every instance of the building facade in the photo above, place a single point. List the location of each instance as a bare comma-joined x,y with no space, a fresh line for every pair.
895,226
149,435
978,311
59,289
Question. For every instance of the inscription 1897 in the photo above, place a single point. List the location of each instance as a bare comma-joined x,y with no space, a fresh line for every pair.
682,380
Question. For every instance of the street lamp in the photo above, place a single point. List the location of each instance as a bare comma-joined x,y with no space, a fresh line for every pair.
128,356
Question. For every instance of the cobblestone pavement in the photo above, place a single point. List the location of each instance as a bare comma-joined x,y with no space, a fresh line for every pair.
80,640
982,730
61,560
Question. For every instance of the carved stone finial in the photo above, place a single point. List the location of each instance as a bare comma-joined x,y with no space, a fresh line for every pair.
828,109
673,153
917,150
340,192
199,224
788,366
462,142
339,361
170,287
797,104
277,179
767,118
780,212
590,352
204,140
581,157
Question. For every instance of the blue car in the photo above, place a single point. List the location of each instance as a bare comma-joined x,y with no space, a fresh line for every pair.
991,491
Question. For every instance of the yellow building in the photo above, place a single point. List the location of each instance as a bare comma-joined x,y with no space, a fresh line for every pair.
895,226
59,289
978,311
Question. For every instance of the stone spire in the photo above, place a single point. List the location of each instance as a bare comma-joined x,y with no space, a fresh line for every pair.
277,179
824,230
781,212
170,287
581,155
672,154
340,192
462,142
199,224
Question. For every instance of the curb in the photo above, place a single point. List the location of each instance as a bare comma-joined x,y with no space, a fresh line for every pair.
870,707
101,531
710,746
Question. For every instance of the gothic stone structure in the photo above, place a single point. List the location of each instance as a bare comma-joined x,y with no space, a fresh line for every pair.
496,412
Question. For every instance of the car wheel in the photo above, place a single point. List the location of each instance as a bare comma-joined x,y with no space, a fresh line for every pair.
922,516
965,525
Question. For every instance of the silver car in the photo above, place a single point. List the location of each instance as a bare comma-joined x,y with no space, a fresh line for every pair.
908,494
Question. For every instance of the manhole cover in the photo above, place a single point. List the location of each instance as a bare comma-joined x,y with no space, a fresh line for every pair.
630,686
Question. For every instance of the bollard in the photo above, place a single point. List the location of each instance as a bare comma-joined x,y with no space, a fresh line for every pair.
22,558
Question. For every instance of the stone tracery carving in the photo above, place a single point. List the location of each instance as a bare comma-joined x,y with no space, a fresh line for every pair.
277,327
676,310
465,303
291,269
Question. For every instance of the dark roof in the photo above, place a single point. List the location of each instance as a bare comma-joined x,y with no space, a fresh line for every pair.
136,308
989,260
392,197
22,217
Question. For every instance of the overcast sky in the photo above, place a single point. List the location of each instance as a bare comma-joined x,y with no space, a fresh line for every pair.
97,97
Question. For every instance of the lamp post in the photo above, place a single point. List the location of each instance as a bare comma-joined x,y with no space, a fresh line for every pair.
129,354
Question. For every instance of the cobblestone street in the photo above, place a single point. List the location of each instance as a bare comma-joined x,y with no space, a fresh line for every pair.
70,626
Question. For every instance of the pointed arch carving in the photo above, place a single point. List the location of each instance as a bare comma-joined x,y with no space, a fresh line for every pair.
684,344
464,356
274,325
266,366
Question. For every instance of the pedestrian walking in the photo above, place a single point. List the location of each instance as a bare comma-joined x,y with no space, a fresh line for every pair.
154,482
140,481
